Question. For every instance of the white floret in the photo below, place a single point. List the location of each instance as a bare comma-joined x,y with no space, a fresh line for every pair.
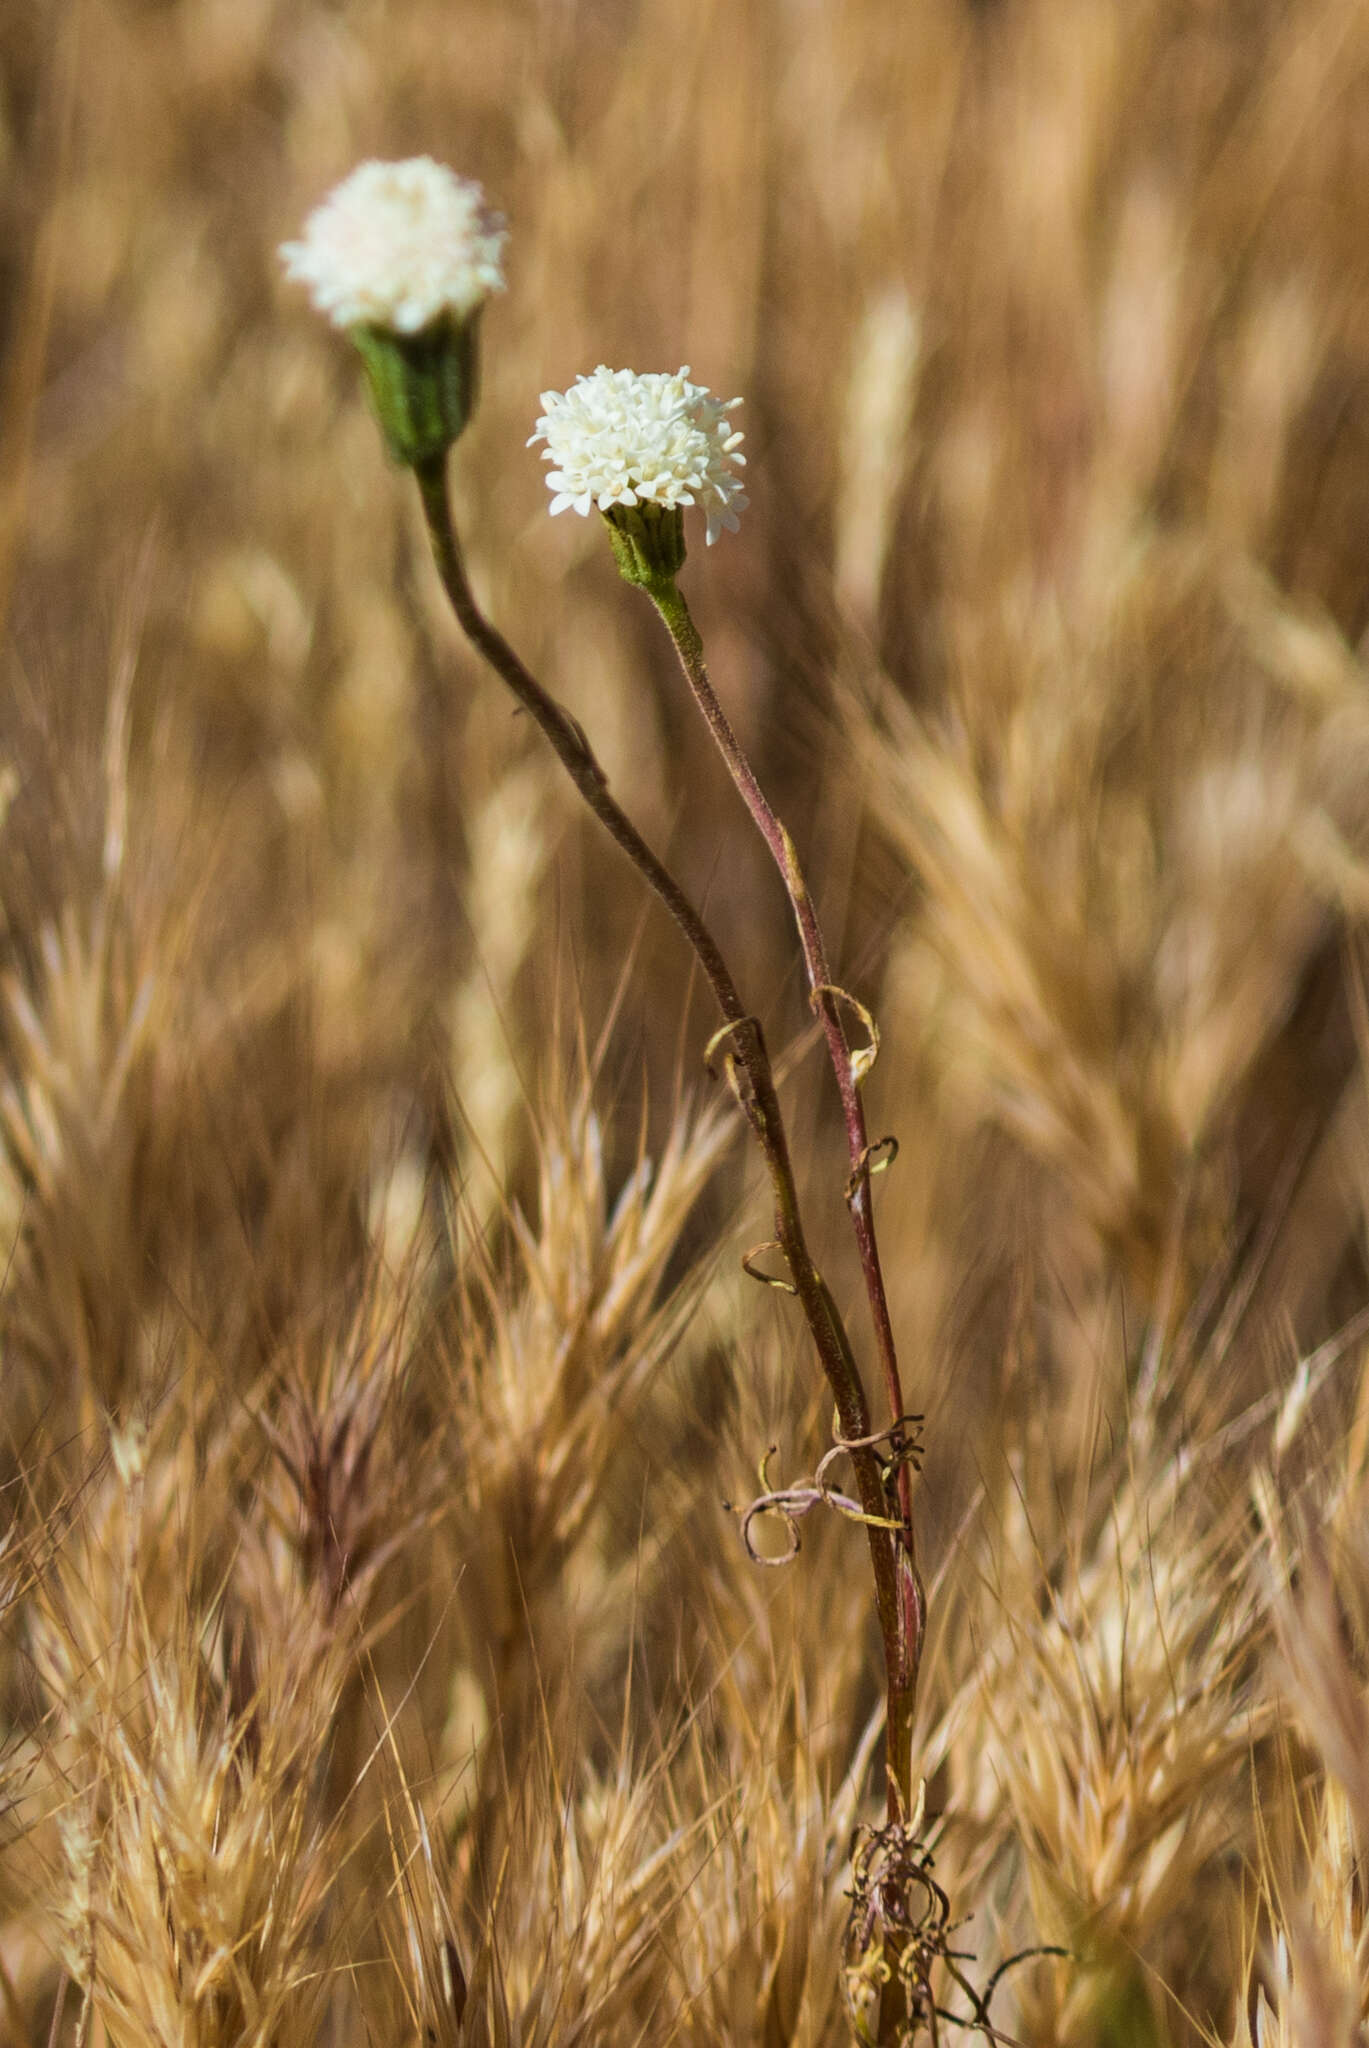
399,245
618,437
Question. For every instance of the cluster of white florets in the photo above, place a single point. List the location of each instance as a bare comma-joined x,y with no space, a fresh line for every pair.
399,245
620,438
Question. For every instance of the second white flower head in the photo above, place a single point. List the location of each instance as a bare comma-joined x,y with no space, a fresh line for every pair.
620,438
399,245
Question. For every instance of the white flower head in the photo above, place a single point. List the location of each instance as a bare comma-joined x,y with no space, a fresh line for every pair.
397,246
620,438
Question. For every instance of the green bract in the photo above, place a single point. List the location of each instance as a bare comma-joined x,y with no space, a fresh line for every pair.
423,386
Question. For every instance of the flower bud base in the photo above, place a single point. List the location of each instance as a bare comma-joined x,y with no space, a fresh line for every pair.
423,386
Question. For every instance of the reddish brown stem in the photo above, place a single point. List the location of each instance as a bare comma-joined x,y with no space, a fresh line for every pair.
666,596
753,1082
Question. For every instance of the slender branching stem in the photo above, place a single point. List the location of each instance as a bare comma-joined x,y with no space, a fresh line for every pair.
753,1081
826,1000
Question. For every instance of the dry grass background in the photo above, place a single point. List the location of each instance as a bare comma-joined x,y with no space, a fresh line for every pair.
379,1663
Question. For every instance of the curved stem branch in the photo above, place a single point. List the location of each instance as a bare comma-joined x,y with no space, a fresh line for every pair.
679,623
749,1071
